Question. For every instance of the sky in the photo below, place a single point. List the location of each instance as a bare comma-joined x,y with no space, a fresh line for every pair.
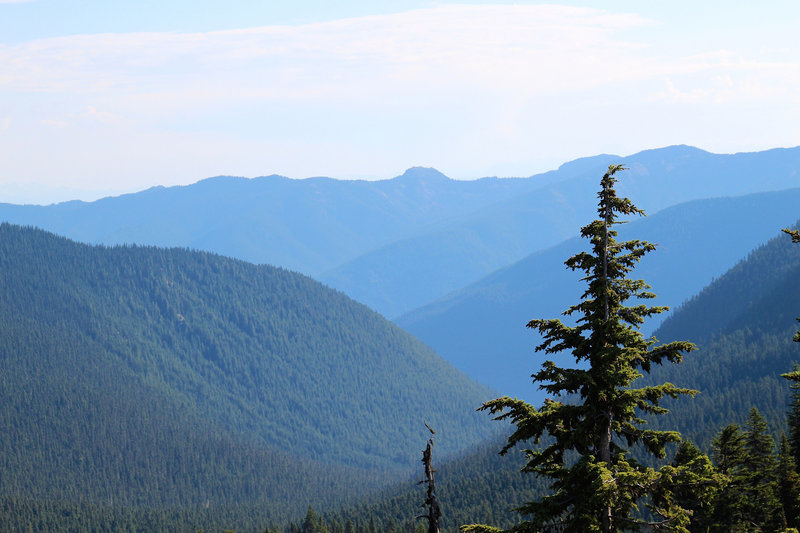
100,97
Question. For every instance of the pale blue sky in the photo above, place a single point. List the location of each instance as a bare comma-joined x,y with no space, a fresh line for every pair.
99,97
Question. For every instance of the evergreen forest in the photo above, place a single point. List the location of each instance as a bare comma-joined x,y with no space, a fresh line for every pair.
138,378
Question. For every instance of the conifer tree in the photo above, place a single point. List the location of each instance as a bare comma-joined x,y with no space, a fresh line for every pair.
750,500
789,481
795,234
696,493
728,448
760,474
793,416
312,523
788,484
729,454
596,485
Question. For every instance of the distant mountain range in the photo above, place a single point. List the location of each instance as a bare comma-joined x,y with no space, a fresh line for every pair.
151,377
309,225
412,272
399,244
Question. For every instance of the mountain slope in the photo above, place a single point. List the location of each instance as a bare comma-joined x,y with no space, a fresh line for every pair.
168,377
480,329
743,325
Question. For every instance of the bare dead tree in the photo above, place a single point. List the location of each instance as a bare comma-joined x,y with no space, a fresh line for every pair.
430,501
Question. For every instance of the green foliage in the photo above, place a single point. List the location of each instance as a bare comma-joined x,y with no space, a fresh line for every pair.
750,500
596,485
695,484
758,473
793,233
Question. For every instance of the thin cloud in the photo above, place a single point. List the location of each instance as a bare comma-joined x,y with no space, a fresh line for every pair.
485,45
55,123
533,50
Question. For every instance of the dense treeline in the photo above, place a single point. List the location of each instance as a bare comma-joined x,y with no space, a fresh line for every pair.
481,485
169,379
25,515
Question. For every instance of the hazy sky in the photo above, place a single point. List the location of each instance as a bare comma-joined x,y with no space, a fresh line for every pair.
99,96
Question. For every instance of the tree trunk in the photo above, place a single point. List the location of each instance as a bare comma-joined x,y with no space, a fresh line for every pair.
605,436
433,506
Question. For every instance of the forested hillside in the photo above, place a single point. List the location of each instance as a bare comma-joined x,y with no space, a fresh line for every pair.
743,325
148,377
481,485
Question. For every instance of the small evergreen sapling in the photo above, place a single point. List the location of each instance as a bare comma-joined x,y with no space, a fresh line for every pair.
750,499
596,485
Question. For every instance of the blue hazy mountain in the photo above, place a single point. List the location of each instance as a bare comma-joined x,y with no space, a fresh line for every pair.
412,272
398,244
308,225
481,328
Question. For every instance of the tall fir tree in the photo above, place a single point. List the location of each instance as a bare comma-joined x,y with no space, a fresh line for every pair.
596,485
795,235
788,484
790,448
793,416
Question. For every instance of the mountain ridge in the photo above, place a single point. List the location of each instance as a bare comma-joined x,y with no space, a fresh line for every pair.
399,243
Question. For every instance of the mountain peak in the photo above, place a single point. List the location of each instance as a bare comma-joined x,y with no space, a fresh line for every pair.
422,174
